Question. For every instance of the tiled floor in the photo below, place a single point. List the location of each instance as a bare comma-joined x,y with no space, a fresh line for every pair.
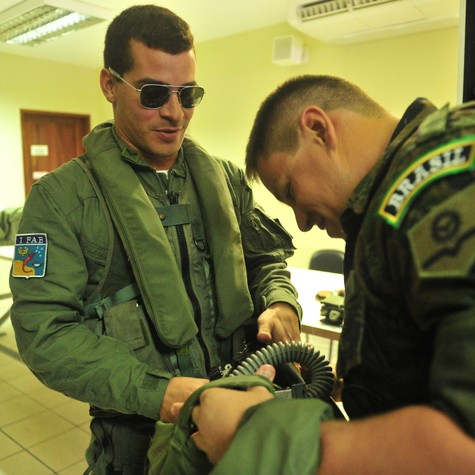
42,432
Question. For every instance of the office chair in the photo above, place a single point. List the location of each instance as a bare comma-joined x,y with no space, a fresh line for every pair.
327,260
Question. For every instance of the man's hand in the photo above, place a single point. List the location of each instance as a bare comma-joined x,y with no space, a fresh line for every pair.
178,391
219,413
277,323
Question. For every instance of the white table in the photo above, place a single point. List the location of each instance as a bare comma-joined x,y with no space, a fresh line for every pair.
308,283
6,252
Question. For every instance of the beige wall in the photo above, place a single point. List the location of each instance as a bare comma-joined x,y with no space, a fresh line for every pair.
39,85
237,73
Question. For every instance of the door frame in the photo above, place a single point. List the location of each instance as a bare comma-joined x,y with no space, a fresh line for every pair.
83,119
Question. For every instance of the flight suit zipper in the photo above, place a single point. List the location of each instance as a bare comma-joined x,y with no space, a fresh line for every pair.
185,271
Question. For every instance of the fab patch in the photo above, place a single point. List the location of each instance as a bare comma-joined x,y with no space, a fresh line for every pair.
455,157
443,242
30,255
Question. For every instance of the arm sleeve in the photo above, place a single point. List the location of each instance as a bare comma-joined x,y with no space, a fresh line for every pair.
442,247
267,246
48,322
277,436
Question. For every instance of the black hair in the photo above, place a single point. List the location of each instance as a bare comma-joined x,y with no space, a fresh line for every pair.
156,27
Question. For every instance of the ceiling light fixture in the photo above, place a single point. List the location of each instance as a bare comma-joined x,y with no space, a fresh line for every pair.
31,22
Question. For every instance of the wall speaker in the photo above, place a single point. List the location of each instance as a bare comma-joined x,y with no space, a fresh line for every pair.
287,51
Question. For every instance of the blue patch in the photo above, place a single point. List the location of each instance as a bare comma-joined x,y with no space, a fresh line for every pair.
29,259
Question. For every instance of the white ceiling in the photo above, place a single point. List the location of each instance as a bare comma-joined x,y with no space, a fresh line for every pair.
208,19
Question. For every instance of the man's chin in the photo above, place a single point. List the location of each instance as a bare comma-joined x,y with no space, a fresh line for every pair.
335,233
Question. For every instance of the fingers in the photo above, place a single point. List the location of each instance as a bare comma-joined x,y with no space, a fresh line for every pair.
178,390
264,335
267,370
270,334
279,322
219,414
198,440
265,327
175,411
201,444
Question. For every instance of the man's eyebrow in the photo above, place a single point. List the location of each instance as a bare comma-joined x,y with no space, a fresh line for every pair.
145,81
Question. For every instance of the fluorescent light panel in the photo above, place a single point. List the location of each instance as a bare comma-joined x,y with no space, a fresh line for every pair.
35,21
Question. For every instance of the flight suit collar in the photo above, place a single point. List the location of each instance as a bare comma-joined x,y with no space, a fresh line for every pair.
352,218
134,157
414,115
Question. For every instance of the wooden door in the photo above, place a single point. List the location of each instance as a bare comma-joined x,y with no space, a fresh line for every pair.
49,140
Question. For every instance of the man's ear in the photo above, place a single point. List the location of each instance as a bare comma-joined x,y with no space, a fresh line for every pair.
315,124
107,83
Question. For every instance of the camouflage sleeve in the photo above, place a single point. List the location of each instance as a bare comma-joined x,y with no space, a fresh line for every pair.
430,206
442,245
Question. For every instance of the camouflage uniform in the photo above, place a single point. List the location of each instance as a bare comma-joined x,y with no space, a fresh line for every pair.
409,333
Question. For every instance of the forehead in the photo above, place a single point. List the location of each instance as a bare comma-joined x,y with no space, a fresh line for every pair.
148,60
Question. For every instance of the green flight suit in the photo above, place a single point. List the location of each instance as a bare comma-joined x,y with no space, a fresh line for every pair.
117,363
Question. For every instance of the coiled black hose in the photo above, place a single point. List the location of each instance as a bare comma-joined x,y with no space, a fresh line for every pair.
319,382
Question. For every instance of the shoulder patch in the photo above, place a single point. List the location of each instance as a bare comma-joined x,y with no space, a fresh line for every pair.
443,242
30,255
454,157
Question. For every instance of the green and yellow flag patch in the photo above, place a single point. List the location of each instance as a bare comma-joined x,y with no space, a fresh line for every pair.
454,157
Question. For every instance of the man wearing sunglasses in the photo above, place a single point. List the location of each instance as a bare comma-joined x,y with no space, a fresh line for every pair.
143,267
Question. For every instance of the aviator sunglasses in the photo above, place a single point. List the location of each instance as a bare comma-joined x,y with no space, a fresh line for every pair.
154,96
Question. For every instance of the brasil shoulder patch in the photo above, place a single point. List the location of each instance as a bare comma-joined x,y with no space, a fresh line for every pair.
451,158
29,259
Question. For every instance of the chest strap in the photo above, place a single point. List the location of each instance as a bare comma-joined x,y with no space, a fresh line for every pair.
97,309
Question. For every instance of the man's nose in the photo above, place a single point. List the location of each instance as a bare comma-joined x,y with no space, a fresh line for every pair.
172,108
303,221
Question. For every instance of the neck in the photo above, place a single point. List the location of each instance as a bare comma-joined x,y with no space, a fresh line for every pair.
365,139
160,163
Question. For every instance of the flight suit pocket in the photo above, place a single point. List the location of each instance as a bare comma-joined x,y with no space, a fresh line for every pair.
123,323
263,234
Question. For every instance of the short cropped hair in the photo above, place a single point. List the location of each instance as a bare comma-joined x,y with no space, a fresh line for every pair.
275,127
156,27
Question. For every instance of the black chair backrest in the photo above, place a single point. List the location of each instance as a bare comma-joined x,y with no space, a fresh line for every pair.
327,260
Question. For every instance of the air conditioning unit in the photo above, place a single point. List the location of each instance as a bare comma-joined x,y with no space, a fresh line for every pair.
352,21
